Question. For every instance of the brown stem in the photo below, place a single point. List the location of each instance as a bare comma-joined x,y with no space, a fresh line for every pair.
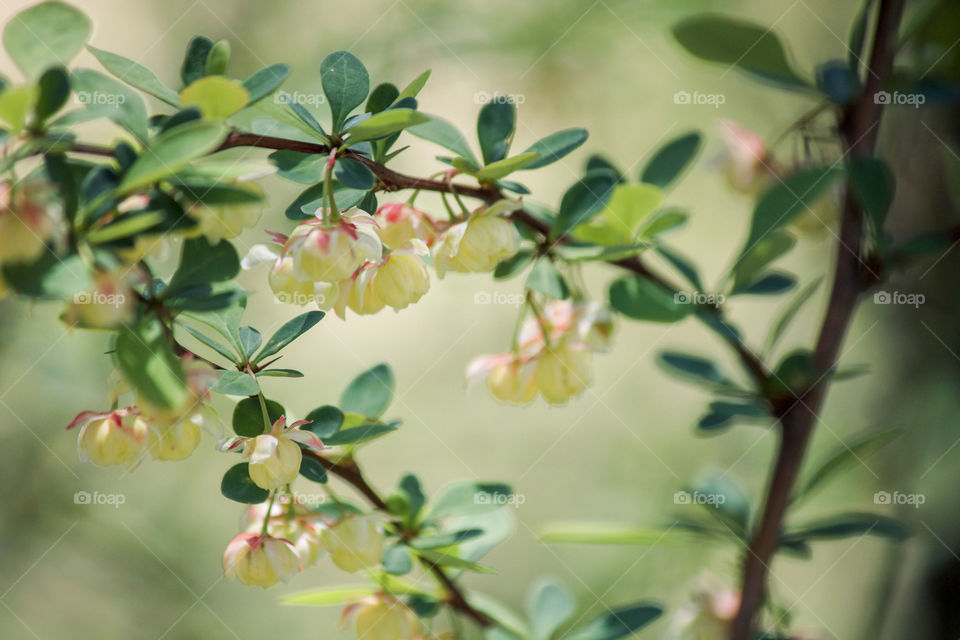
350,473
859,127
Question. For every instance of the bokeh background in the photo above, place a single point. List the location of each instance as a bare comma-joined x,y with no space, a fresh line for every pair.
150,568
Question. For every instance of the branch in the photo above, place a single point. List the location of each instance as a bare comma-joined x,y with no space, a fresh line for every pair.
350,473
859,127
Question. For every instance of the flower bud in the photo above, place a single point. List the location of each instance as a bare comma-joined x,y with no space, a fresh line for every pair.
29,218
286,286
562,371
110,303
399,223
110,439
476,245
513,382
745,162
355,543
176,440
332,253
274,460
293,523
400,280
260,561
220,222
382,617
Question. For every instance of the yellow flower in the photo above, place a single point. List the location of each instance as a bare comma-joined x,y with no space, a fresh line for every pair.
287,287
260,561
29,219
562,371
400,280
332,253
382,617
355,543
177,439
227,221
110,439
399,223
275,456
477,244
109,305
508,377
302,529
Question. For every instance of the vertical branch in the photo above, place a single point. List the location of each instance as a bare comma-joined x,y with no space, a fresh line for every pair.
858,127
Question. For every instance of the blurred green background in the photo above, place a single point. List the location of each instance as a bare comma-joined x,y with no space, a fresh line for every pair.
151,567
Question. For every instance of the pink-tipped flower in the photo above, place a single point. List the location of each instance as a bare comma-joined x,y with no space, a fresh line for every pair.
275,456
398,281
260,561
355,543
331,253
398,223
291,522
111,438
30,218
508,377
479,243
383,617
745,160
108,305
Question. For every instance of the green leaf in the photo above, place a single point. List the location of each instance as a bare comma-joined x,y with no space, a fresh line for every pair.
795,373
617,623
441,132
111,99
555,146
361,432
289,332
224,321
217,97
238,486
264,82
464,498
502,168
495,127
136,75
789,197
627,208
354,174
345,83
313,470
721,414
303,168
250,340
446,539
46,35
847,525
202,263
873,185
837,80
726,501
414,88
548,607
213,344
641,299
16,103
54,89
769,284
248,416
695,368
737,43
194,64
331,596
513,265
370,393
280,373
545,278
236,383
447,559
324,421
790,311
849,455
664,221
583,200
671,159
766,250
397,560
147,361
172,151
610,533
386,123
218,60
382,96
49,277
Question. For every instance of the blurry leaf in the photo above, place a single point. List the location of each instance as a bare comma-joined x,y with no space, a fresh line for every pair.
442,559
592,252
415,498
346,84
236,383
147,361
663,221
550,605
248,416
790,311
511,266
849,455
264,82
725,500
627,207
873,185
111,99
607,533
495,127
847,525
46,35
736,43
136,75
467,497
330,596
512,624
172,151
360,433
289,332
545,279
203,263
445,539
502,168
555,146
795,373
304,168
16,103
759,256
583,200
722,413
641,299
238,486
324,421
837,80
671,159
769,284
696,368
48,277
683,265
370,393
616,623
441,132
218,60
54,89
385,123
397,560
195,59
216,97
